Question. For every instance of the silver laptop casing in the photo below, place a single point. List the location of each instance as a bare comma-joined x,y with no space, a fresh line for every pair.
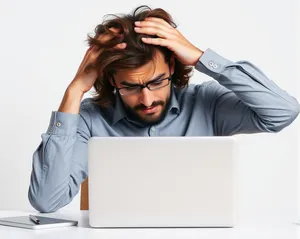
162,181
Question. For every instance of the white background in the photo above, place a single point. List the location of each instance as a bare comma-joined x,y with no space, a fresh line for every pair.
43,42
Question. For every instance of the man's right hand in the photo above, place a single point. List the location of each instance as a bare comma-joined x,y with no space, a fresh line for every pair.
83,80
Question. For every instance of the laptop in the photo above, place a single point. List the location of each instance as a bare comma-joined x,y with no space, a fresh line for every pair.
162,181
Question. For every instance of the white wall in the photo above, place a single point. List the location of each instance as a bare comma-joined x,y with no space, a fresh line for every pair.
297,19
42,44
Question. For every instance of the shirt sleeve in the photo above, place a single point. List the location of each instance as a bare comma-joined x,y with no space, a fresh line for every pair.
60,161
243,99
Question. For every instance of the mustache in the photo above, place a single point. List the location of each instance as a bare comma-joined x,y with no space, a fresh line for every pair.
155,103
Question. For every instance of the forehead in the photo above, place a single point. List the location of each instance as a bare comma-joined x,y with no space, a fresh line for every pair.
144,73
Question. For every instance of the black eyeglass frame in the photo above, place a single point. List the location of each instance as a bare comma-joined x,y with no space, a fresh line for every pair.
141,87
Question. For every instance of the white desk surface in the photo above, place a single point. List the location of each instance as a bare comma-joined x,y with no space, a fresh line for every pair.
284,230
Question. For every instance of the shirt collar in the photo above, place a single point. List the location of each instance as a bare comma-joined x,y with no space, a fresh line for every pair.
119,111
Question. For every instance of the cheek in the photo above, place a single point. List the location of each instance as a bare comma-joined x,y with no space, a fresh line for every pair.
161,95
130,101
166,94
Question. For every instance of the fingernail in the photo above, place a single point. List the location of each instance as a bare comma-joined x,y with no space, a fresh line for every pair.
137,22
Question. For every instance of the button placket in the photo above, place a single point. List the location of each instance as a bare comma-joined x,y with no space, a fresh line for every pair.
152,130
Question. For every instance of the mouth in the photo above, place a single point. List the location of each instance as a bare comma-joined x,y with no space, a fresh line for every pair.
150,110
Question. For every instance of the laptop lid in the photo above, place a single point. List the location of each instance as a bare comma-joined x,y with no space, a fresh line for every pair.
162,181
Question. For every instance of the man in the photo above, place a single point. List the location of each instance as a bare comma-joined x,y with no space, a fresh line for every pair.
140,66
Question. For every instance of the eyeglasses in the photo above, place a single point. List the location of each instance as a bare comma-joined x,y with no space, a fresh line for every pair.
151,85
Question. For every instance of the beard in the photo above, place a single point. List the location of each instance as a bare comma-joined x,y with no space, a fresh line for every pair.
148,119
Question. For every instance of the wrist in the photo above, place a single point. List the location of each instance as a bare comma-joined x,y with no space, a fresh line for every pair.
198,55
71,100
74,91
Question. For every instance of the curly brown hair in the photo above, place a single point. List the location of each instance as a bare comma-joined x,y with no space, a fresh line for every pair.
136,54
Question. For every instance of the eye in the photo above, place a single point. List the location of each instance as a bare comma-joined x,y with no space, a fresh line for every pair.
131,88
157,82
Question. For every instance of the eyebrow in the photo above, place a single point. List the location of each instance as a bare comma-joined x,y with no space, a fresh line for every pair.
154,79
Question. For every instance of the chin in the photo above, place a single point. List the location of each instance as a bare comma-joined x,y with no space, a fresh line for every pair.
151,118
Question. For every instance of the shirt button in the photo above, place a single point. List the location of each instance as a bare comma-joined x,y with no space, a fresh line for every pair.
152,129
58,124
211,64
215,66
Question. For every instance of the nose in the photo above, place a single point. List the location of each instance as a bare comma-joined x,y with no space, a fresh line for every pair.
146,97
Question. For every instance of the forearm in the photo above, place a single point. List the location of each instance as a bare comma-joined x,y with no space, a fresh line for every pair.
71,100
273,106
57,169
50,177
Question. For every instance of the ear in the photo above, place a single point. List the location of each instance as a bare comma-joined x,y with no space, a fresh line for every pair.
172,64
111,81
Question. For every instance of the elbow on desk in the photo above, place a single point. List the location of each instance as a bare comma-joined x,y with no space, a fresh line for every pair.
286,118
43,203
39,204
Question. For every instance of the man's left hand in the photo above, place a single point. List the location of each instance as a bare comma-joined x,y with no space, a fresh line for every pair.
169,37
